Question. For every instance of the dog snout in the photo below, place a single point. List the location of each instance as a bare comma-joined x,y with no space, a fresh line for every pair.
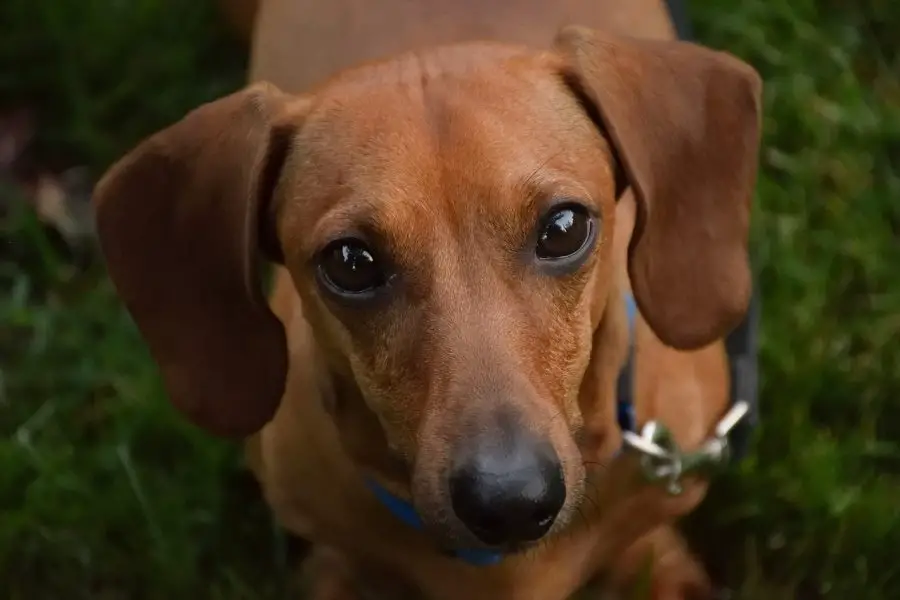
507,494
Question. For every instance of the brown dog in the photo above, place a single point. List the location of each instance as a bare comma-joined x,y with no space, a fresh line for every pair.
456,230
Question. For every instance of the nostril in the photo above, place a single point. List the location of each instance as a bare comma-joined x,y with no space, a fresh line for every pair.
546,507
475,503
488,528
544,517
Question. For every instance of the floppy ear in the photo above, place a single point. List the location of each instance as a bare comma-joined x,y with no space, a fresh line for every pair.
685,123
178,221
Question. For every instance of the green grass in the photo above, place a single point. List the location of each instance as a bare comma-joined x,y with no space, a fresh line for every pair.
106,493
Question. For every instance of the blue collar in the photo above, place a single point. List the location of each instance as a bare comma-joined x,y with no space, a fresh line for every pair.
625,403
404,511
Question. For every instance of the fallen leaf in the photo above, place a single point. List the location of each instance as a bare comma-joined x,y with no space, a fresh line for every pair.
16,132
63,203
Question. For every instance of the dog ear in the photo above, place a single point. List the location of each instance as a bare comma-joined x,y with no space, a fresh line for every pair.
685,124
178,220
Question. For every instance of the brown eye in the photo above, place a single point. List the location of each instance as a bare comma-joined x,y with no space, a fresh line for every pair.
565,231
348,266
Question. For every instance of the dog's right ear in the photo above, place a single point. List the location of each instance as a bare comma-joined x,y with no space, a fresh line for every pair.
178,220
685,125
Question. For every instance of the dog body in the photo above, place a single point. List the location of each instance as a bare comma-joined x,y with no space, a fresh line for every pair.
457,229
297,44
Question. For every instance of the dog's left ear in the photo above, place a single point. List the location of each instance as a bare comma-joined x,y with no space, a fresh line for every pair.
182,221
685,124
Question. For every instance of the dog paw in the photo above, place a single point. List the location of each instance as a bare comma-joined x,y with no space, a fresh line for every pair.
660,567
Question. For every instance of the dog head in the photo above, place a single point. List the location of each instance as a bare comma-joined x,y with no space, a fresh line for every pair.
447,220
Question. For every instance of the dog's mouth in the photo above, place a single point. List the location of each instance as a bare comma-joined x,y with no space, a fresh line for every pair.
482,554
487,554
482,526
476,547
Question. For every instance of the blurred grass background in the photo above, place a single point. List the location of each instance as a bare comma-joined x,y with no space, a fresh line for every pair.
105,493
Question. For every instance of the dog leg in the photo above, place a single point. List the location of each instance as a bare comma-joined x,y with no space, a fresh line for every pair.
661,565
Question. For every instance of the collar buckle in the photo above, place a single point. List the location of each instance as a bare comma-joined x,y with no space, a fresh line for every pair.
663,462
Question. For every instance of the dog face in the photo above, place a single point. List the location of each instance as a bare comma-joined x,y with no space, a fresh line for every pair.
446,218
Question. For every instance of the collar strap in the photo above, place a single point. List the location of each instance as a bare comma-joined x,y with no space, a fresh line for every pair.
742,346
405,512
625,384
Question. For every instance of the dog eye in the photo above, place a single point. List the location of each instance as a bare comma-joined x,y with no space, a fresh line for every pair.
565,231
348,266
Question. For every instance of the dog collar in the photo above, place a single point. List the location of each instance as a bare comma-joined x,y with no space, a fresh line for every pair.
404,511
624,402
742,381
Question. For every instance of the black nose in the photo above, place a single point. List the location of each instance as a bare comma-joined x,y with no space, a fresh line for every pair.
507,494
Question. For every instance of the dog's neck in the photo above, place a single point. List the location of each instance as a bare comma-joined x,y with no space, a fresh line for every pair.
606,395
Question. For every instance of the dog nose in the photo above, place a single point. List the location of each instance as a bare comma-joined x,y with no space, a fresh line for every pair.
508,494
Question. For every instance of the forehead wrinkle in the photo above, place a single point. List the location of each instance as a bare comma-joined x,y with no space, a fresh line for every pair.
387,173
492,184
428,102
519,165
498,178
440,154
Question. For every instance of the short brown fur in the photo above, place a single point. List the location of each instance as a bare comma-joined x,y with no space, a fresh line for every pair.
445,158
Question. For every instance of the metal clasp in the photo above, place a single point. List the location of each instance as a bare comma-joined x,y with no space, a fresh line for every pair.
662,461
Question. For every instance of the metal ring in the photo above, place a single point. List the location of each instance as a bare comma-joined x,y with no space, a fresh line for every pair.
644,445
